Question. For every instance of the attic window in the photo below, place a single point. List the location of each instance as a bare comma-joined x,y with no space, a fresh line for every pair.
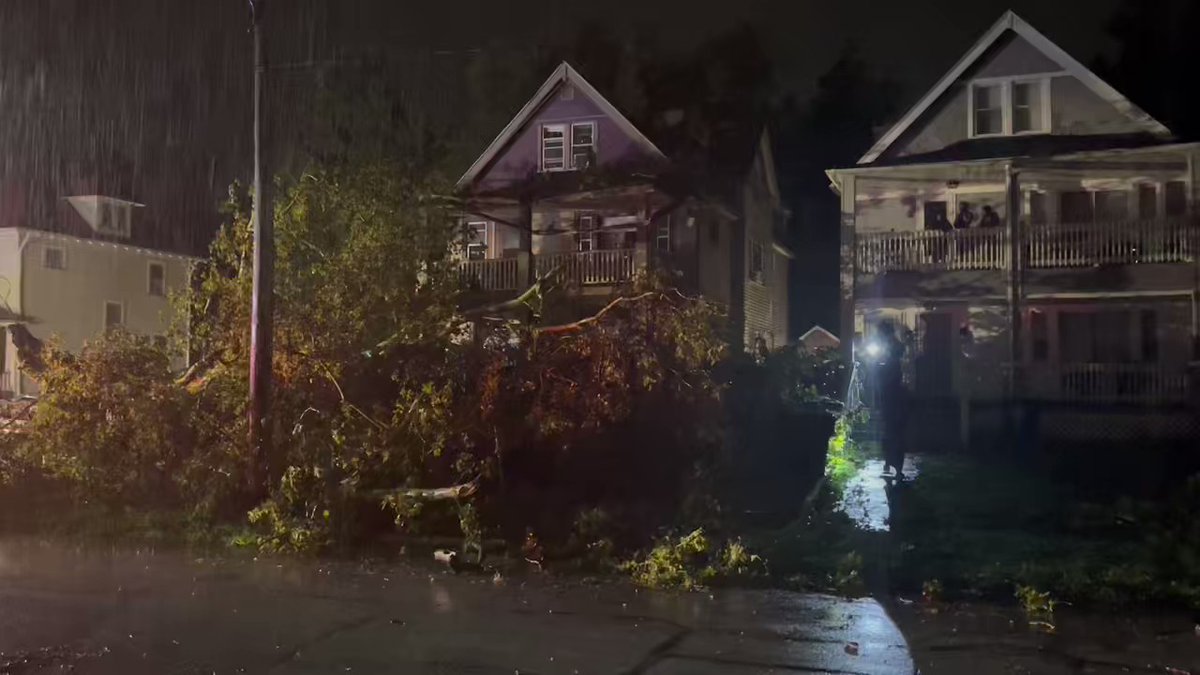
54,258
1009,107
115,219
555,150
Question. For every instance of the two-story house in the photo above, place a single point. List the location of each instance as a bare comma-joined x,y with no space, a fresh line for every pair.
1034,233
570,185
76,268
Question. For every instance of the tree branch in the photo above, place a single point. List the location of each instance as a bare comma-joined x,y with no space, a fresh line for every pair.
453,492
583,323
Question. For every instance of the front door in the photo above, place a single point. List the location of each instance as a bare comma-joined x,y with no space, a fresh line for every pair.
935,212
934,359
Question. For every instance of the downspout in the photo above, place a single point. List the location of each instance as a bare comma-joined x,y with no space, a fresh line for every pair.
23,238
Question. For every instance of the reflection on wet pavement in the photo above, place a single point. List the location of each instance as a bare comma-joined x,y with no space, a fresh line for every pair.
865,499
142,612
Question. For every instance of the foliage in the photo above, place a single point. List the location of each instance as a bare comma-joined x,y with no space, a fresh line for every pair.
690,562
844,458
112,423
1037,605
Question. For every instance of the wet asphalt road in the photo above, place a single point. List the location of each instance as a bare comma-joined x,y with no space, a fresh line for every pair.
85,611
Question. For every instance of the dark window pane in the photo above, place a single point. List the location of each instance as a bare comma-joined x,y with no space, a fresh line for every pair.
1176,198
1149,320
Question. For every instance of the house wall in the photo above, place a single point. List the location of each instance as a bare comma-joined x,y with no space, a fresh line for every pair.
765,302
70,303
715,237
1074,109
522,157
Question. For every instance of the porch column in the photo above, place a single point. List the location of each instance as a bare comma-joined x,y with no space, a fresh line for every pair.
528,275
1193,205
848,270
1016,263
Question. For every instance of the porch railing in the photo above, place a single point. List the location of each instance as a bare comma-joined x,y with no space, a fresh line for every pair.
1109,383
8,385
1118,242
496,274
1045,246
978,249
590,267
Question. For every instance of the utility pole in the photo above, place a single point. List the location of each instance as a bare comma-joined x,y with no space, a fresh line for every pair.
262,220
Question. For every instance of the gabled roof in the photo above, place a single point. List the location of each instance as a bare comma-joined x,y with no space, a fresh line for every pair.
817,330
1010,21
564,73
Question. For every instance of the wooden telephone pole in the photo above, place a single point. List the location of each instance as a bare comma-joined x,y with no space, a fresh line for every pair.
262,220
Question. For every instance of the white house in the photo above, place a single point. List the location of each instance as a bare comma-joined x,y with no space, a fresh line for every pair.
1035,232
74,283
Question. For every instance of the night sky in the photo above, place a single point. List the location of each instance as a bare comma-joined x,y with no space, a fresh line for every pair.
155,94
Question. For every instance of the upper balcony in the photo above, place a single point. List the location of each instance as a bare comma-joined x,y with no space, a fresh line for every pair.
1045,246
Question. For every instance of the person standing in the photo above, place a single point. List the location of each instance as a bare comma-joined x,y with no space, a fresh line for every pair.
893,398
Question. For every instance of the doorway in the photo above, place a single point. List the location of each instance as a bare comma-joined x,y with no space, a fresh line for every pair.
933,363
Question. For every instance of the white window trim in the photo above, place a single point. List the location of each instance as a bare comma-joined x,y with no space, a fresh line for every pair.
568,131
150,265
486,242
662,232
566,146
590,236
761,278
1006,104
571,141
62,251
104,314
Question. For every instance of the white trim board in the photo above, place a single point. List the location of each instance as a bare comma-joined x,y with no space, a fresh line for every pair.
564,73
1010,21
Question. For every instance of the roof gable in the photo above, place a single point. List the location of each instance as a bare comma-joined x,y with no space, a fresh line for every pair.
563,76
1052,54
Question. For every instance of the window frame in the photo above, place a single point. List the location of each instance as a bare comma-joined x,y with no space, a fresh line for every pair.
104,315
62,251
564,144
591,147
586,234
483,244
662,235
1007,104
122,226
150,266
758,275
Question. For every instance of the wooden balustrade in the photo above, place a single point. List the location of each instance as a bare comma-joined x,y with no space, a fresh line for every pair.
1107,383
590,267
977,249
493,274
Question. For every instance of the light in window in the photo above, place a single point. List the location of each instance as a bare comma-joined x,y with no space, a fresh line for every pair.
1026,107
989,115
54,258
553,148
158,280
583,144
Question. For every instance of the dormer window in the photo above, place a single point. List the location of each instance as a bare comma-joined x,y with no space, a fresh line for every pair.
1009,107
557,155
115,219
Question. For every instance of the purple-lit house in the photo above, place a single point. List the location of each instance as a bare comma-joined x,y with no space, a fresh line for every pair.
571,185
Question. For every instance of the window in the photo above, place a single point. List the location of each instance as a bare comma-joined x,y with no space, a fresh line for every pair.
1176,198
1147,201
988,113
553,148
1076,207
662,236
54,258
756,262
1149,329
585,232
1039,337
115,219
1037,208
1095,337
477,240
1009,107
1026,107
1111,205
583,145
114,315
157,280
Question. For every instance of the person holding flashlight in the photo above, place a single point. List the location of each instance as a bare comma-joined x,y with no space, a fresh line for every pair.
893,396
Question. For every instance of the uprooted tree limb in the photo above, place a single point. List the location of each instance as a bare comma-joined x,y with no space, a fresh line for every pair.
452,493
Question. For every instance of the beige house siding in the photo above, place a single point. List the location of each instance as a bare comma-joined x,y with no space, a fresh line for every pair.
69,304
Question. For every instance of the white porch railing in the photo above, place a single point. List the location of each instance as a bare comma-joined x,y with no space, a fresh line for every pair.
1120,242
590,267
1108,383
496,274
8,384
977,249
1045,246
